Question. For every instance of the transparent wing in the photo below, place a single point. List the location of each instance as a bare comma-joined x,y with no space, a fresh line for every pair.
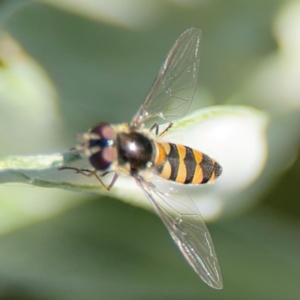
186,226
173,89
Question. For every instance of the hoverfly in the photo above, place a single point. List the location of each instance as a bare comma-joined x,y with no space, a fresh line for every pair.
133,150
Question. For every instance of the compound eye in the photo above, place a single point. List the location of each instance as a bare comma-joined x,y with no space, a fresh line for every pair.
102,159
104,130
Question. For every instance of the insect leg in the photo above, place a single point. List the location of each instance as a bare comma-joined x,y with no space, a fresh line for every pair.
113,180
165,131
89,173
78,171
154,127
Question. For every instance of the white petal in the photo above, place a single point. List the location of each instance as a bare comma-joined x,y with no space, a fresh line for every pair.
27,102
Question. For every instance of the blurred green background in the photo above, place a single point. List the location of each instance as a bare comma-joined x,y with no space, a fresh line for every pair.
102,63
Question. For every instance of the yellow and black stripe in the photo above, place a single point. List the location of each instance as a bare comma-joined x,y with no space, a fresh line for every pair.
185,165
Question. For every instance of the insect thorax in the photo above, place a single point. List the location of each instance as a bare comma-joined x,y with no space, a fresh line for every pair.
134,149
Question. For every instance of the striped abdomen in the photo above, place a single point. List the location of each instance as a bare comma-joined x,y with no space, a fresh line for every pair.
185,165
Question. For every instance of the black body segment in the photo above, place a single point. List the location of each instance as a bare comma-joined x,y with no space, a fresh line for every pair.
207,167
134,148
173,158
190,164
